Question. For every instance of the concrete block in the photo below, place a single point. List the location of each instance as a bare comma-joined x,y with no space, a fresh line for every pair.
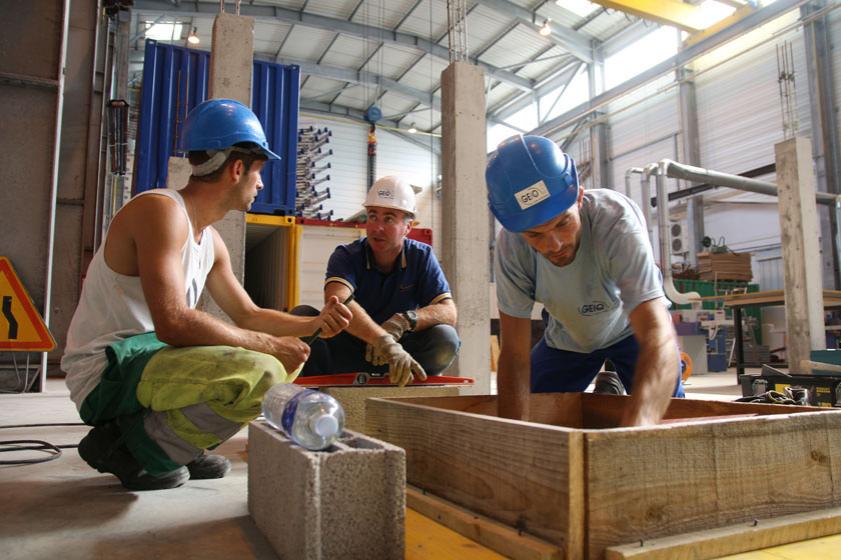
353,399
348,501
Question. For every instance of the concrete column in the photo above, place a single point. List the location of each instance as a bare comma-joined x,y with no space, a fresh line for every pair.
824,130
691,154
600,168
801,262
231,61
465,216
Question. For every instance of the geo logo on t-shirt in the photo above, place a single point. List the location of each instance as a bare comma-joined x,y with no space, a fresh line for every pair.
592,308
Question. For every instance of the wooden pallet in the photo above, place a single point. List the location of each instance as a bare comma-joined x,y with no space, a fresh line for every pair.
572,478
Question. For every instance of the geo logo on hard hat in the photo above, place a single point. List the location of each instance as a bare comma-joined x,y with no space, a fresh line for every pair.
532,195
385,193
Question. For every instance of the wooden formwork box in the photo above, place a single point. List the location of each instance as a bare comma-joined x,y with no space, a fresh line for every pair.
570,476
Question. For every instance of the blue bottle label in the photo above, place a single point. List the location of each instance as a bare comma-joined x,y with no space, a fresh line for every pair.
288,417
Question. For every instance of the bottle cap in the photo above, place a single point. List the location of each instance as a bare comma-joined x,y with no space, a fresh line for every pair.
325,425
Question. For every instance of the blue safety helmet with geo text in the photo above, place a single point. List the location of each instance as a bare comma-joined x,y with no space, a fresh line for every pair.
219,124
530,181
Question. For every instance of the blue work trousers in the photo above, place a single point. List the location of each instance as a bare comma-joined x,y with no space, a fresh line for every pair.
561,371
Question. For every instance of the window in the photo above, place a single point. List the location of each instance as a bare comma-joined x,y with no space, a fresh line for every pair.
638,57
163,31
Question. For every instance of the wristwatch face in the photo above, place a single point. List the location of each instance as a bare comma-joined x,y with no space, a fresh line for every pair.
412,317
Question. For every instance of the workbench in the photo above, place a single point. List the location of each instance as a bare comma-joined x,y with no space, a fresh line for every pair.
831,299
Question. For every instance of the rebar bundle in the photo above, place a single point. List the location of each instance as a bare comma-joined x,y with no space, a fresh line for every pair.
312,149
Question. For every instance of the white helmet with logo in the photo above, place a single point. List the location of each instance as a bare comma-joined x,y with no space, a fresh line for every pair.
392,192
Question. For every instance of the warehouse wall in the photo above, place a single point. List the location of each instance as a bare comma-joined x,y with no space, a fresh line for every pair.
739,119
30,41
395,156
348,178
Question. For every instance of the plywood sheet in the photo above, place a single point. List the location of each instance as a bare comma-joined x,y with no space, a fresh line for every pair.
669,480
526,475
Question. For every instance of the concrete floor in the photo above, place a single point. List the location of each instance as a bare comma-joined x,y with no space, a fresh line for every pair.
63,509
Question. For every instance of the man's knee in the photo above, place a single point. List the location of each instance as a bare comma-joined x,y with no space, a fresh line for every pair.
305,311
443,346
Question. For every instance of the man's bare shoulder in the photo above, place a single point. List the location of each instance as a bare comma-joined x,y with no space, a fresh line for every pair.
153,221
152,210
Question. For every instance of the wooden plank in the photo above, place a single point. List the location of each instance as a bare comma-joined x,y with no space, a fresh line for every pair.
733,539
605,411
475,404
831,298
498,537
428,540
353,398
515,472
650,483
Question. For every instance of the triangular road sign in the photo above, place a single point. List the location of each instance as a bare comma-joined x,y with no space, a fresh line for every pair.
21,327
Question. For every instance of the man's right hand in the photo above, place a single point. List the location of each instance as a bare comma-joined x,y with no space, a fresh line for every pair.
291,351
402,368
334,317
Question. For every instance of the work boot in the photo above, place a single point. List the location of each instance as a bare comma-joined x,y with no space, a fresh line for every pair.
208,466
608,383
104,450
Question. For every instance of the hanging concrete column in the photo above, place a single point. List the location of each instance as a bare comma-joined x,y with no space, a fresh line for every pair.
801,261
231,61
465,215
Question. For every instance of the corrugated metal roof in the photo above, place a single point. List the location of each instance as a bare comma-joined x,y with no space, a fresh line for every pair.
305,43
505,40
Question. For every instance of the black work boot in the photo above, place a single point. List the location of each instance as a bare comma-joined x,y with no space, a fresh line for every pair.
104,450
608,383
207,466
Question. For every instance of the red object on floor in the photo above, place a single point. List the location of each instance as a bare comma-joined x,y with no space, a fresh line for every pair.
363,378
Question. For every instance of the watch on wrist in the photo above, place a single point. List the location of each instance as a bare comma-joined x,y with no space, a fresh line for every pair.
412,317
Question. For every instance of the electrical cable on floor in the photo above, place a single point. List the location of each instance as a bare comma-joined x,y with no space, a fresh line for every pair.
54,451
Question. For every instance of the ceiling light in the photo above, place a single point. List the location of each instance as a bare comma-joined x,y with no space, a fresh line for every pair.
412,129
193,38
545,30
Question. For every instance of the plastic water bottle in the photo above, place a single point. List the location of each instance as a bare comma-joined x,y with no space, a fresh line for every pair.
312,419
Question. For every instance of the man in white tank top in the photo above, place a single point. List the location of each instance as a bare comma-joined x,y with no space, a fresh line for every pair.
159,380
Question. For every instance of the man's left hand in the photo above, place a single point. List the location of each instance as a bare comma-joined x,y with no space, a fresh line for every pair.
334,318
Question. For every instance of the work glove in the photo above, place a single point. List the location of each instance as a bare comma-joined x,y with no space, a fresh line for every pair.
396,325
402,368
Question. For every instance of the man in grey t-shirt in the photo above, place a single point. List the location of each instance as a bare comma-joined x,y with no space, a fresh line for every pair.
587,259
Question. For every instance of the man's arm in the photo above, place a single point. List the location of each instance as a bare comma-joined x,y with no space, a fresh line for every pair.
158,230
382,347
657,365
361,326
441,313
513,377
232,298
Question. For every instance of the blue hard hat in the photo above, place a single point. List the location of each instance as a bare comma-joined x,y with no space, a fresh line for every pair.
530,181
217,124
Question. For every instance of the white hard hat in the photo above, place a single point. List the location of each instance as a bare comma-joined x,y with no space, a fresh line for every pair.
391,192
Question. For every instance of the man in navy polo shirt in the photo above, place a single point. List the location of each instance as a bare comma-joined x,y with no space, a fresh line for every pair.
403,313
